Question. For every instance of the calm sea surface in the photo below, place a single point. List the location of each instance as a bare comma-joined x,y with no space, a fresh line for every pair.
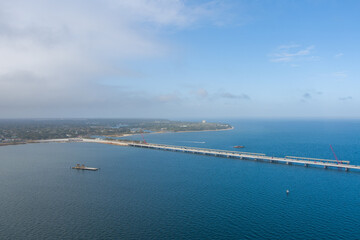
150,194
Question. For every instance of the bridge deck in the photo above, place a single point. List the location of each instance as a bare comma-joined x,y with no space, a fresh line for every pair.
325,163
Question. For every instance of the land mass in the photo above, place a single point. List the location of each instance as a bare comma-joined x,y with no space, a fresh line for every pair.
15,131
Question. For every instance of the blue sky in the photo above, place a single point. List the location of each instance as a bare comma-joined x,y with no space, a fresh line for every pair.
180,59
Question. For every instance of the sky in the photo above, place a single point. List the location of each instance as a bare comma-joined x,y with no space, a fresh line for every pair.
179,59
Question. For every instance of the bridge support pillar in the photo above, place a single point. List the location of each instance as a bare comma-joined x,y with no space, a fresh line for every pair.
325,167
306,165
346,169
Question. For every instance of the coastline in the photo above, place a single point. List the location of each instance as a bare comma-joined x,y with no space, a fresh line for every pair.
11,144
215,130
161,132
63,140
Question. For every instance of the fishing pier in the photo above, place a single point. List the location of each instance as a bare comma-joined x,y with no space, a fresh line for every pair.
289,160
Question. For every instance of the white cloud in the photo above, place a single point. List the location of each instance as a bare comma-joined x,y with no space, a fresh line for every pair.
290,53
340,75
288,46
168,98
204,94
164,12
338,55
201,93
234,96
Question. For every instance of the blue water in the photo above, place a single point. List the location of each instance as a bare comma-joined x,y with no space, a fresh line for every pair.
150,194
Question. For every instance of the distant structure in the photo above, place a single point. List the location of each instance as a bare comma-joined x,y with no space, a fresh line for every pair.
82,167
203,121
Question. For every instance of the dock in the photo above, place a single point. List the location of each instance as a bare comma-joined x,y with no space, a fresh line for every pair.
288,160
82,167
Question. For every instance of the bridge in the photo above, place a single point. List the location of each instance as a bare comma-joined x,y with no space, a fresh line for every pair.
289,160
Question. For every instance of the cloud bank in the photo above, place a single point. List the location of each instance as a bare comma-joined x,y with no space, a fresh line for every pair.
56,54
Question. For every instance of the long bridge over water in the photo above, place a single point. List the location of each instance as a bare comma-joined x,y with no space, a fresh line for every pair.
289,160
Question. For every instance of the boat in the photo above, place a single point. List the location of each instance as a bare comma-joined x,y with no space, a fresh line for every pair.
82,167
239,146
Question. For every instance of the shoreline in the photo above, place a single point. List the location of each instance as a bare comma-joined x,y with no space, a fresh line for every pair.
162,132
118,136
11,144
213,130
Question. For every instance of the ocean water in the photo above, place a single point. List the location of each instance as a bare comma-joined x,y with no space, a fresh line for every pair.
151,194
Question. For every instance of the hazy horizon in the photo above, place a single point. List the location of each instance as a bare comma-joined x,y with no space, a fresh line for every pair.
179,59
208,119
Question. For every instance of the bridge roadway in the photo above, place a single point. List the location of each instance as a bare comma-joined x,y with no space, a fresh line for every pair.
307,162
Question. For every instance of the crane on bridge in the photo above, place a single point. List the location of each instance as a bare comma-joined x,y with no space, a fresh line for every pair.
144,141
337,160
